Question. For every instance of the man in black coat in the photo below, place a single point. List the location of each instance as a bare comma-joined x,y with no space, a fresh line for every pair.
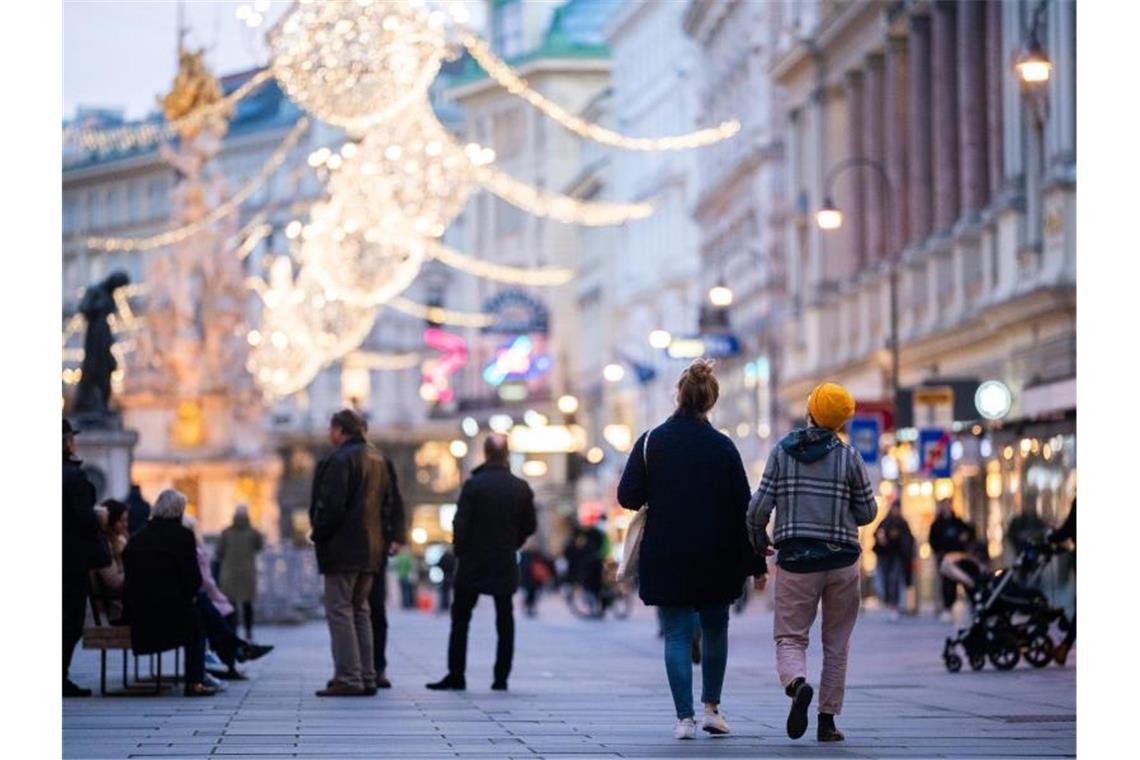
160,590
82,551
351,499
949,533
495,516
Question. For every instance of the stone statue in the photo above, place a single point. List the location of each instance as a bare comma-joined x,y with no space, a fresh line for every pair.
93,394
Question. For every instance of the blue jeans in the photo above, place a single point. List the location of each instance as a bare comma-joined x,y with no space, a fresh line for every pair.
678,623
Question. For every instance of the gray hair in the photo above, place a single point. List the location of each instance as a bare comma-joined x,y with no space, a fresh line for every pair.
241,509
171,504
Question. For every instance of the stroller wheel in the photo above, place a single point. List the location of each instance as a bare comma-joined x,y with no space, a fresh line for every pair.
953,663
1004,652
1039,653
977,661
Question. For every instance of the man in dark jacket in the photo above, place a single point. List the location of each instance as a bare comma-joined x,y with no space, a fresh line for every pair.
894,547
949,533
350,489
82,551
160,590
494,518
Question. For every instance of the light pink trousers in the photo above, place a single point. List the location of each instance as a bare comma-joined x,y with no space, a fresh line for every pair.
797,597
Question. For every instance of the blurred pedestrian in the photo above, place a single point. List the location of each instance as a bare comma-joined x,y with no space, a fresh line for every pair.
161,590
1025,527
819,490
139,510
1067,532
83,550
536,574
406,576
447,577
237,562
494,519
694,550
949,533
894,547
394,527
350,487
112,516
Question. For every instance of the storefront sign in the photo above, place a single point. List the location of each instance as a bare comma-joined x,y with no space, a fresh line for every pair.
934,406
864,432
548,439
934,452
993,400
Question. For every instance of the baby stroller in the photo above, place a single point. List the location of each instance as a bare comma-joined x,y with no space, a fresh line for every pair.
1010,616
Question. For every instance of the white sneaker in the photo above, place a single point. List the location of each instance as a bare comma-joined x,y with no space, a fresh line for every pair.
686,728
714,723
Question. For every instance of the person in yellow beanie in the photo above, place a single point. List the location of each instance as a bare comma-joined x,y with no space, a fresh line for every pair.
818,489
831,406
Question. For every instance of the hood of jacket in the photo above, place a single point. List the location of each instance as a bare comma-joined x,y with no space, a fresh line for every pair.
809,445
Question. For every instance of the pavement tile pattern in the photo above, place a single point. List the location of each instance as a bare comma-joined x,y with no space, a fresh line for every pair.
583,689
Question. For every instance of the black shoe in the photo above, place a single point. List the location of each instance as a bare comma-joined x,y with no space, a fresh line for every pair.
199,690
499,686
233,674
449,683
251,652
371,691
382,682
801,693
826,731
72,690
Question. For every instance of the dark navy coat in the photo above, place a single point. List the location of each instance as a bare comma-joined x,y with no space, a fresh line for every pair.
695,549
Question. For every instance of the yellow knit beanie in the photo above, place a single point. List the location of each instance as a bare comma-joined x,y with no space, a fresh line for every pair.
831,405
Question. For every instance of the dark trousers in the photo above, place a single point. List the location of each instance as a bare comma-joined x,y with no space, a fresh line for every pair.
195,653
221,635
461,608
74,608
377,598
445,596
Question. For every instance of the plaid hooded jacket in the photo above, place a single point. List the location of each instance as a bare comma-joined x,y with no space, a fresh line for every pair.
817,486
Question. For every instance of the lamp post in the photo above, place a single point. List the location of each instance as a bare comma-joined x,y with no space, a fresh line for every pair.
829,217
1032,64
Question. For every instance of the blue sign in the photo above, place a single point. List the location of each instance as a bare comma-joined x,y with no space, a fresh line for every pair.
934,452
720,345
864,432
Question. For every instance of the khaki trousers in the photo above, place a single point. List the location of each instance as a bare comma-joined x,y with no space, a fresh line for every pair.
350,628
797,597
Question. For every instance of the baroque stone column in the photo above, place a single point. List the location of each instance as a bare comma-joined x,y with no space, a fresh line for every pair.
972,97
895,104
873,141
945,79
853,95
920,160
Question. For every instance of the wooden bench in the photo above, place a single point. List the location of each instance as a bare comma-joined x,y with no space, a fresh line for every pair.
104,637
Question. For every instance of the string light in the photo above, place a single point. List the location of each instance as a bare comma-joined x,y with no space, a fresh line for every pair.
516,85
440,315
498,272
222,210
561,208
354,64
146,134
373,360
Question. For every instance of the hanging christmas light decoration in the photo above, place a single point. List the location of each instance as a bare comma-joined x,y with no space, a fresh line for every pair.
506,77
356,63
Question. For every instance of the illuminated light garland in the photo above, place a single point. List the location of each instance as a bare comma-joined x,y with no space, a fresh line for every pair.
505,76
440,315
497,272
373,360
140,135
354,64
561,208
178,234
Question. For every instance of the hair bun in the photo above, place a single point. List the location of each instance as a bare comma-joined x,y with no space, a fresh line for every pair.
700,369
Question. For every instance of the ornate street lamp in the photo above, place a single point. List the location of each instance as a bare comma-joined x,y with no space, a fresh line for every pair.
660,339
720,295
830,218
1032,64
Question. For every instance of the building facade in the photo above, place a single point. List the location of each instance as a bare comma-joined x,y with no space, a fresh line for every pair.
739,210
957,180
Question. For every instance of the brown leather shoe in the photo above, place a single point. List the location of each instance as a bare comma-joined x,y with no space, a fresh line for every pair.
340,690
199,690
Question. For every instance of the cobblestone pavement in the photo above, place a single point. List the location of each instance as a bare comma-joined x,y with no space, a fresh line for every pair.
584,689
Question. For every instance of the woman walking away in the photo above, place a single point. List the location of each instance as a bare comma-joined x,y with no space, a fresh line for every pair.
237,558
818,487
694,550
